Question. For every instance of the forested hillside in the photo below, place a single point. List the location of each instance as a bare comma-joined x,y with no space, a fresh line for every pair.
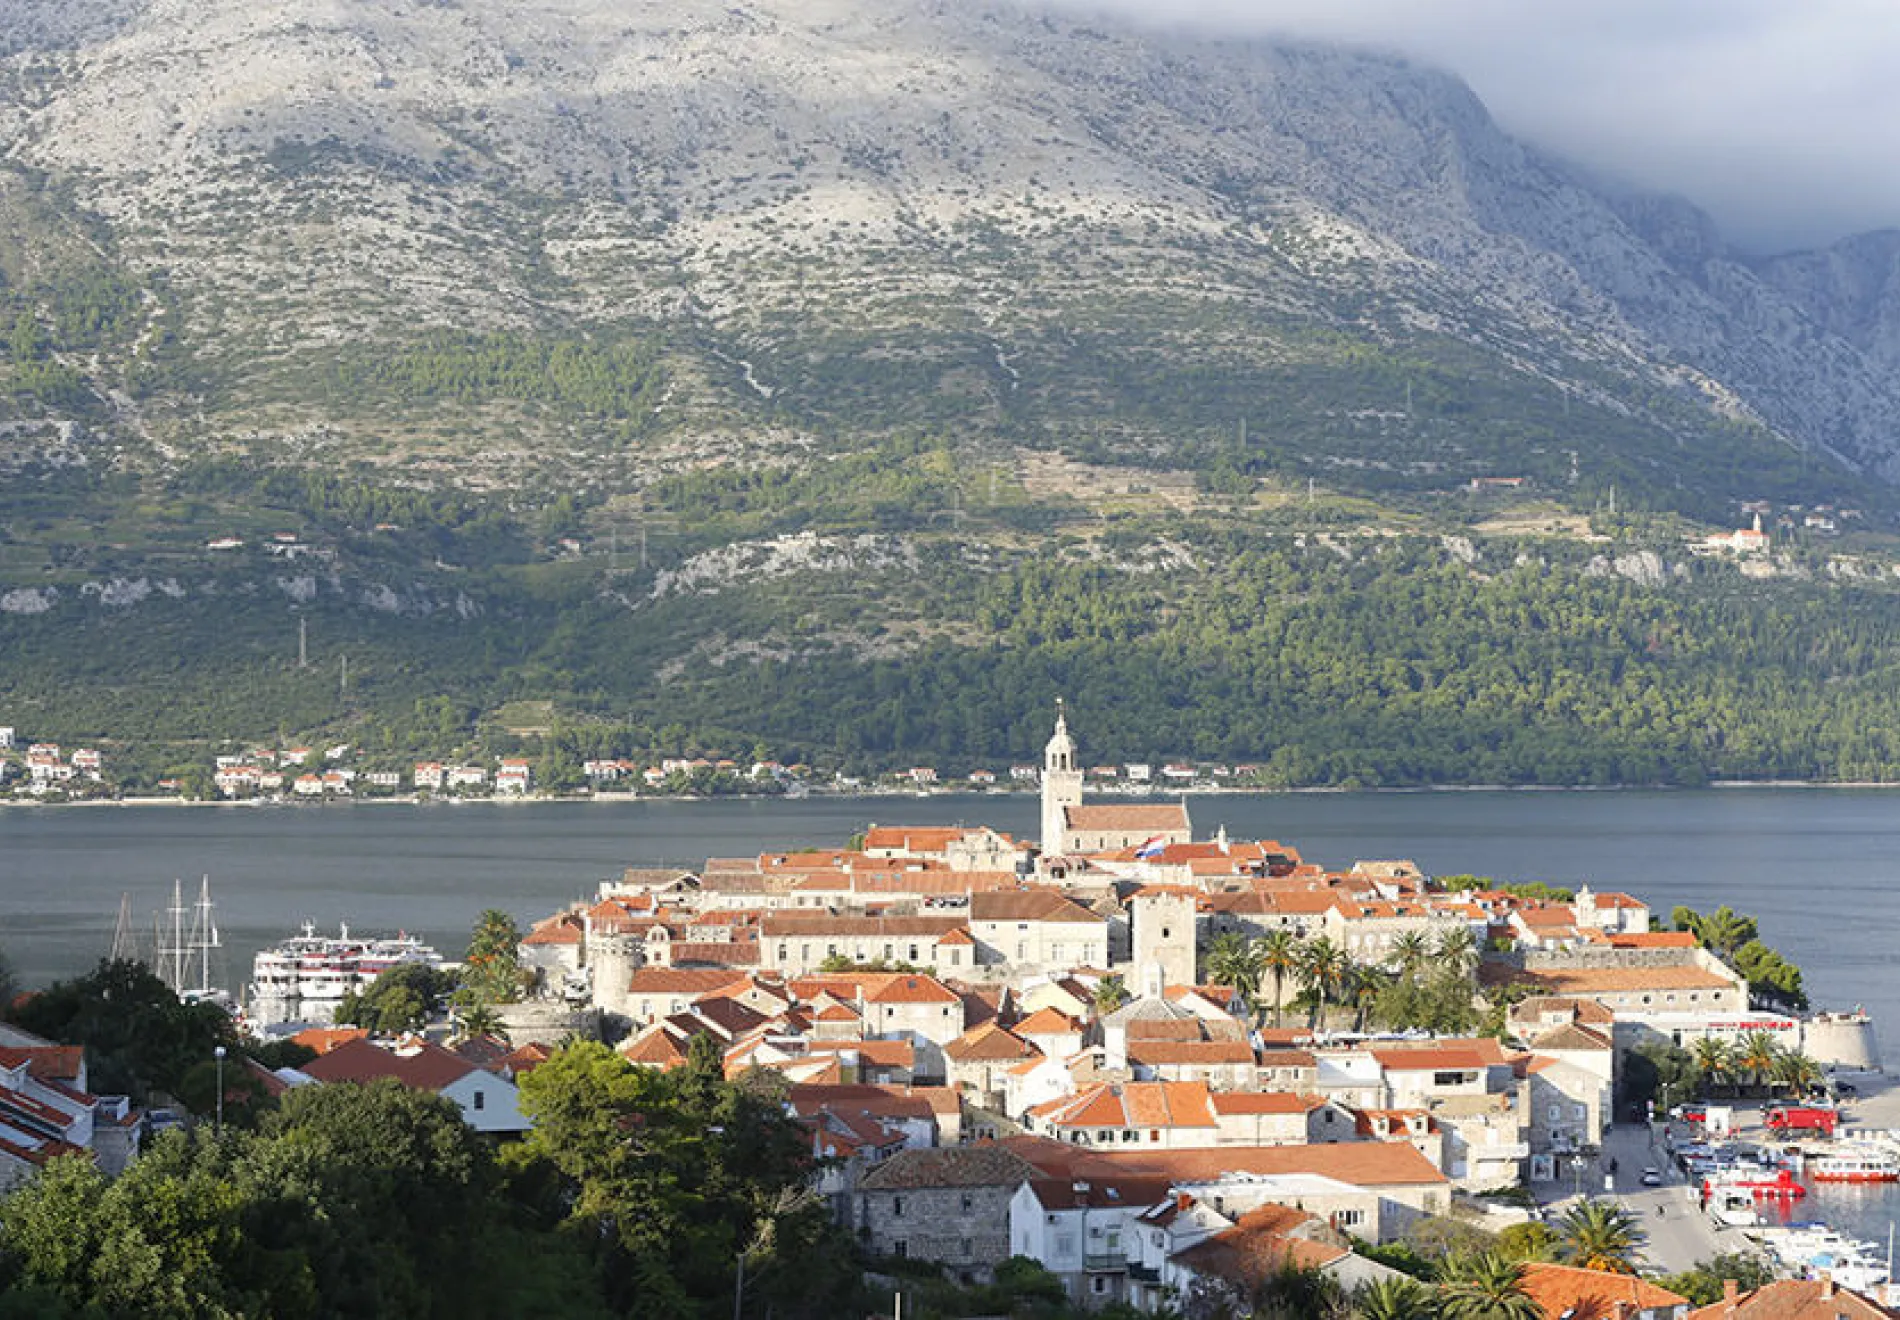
846,381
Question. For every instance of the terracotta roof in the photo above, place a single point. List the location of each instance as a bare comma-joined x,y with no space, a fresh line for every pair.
1128,1190
988,1041
1123,816
1579,981
1287,1059
877,1053
1570,1036
728,953
1564,1290
916,838
949,1166
1162,1053
1655,939
1264,1102
325,1039
47,1063
1361,1163
1048,1022
904,989
1794,1299
957,936
694,981
425,1067
1029,905
818,925
1444,1057
1260,1244
1132,1105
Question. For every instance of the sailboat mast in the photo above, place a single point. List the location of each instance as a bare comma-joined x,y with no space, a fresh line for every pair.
176,959
124,944
204,935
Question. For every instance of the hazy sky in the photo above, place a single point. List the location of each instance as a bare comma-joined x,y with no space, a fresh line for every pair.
1780,117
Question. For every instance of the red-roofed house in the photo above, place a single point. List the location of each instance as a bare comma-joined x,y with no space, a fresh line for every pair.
489,1103
1568,1293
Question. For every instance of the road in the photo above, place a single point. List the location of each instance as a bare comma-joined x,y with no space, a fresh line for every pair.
1680,1235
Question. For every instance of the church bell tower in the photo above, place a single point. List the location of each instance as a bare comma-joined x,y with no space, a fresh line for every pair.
1061,786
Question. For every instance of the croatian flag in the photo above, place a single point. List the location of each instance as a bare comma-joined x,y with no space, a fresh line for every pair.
1153,848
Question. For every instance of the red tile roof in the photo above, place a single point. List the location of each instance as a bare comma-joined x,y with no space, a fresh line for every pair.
425,1067
1563,1290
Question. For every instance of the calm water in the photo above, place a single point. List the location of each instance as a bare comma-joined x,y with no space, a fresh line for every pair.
1817,867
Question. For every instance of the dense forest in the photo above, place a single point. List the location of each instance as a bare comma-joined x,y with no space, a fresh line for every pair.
1316,657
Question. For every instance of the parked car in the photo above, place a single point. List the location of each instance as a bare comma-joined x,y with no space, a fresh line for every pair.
1652,1177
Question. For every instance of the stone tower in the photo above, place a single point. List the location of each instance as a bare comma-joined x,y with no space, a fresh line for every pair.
1061,786
612,959
1162,936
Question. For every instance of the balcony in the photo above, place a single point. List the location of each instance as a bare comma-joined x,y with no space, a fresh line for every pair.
1144,1273
1107,1260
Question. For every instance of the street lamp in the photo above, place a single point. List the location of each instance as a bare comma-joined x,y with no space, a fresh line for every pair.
218,1054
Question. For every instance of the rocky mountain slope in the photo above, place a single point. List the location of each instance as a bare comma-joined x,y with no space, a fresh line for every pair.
829,216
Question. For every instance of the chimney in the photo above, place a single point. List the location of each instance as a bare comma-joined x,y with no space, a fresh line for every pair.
1827,1283
1731,1293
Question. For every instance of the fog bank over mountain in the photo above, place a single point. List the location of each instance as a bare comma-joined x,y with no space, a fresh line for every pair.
1778,119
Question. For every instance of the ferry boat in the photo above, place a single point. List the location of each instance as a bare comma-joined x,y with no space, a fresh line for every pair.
303,978
1855,1164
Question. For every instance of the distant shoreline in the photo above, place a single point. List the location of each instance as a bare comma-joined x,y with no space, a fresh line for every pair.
631,799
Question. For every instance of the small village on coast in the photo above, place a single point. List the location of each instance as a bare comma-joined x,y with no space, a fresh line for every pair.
1153,1064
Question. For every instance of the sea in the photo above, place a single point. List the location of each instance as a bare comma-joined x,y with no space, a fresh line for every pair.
1816,867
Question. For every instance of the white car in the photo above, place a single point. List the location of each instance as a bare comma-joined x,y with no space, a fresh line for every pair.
1652,1177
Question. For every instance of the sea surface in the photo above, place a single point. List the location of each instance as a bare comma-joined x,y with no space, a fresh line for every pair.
1817,867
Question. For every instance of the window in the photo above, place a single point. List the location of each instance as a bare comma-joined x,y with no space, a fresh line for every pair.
900,1249
1350,1218
1165,932
481,1098
913,953
964,1245
781,954
897,1207
969,1204
1099,1283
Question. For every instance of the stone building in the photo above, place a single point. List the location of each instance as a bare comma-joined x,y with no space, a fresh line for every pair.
949,1205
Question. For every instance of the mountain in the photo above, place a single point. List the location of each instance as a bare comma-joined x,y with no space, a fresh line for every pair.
493,317
903,213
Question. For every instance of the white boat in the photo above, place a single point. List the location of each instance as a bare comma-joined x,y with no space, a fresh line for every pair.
1734,1207
1855,1164
304,977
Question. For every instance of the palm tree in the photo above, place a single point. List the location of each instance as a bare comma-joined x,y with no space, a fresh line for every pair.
1411,951
1279,954
1458,948
1798,1072
1235,962
1322,970
1712,1060
1364,981
1486,1287
1600,1235
1111,992
1394,1299
1755,1054
478,1018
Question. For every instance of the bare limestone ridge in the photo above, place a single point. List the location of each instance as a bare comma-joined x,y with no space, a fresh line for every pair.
836,215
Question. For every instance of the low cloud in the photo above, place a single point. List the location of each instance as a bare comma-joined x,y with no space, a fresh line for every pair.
1780,117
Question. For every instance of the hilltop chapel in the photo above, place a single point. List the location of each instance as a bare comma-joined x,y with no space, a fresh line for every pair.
1070,827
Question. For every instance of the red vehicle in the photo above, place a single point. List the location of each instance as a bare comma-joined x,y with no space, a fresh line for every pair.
1802,1118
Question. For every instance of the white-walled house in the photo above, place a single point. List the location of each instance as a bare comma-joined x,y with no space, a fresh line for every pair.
488,1101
